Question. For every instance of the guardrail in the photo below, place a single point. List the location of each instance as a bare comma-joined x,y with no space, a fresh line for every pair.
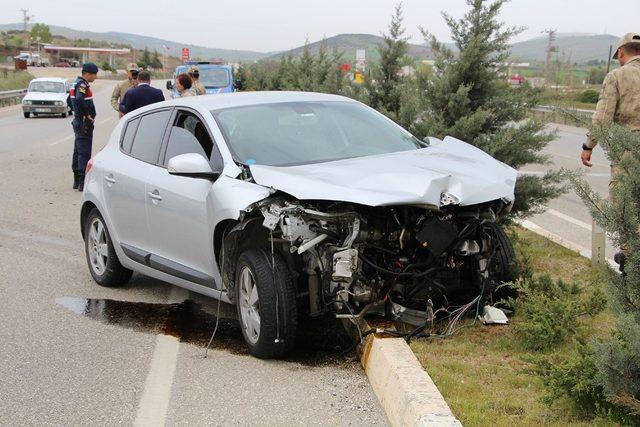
11,97
567,116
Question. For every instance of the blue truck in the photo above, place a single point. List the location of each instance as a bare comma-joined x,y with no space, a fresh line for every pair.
215,77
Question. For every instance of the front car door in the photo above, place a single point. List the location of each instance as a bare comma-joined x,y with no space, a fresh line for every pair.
179,208
124,181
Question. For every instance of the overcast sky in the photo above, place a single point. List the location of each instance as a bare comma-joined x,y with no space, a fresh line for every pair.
268,25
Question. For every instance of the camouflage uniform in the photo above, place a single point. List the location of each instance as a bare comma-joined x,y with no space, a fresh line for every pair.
619,100
198,87
194,73
118,93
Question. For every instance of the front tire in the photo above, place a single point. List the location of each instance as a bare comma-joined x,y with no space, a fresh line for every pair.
266,304
26,114
103,262
504,265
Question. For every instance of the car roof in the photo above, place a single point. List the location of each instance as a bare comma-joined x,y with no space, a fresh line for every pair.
50,79
242,99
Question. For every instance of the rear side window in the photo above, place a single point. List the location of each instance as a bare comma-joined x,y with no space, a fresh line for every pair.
148,138
129,133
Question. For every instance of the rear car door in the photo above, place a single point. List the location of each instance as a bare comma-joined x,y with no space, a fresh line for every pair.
124,180
178,207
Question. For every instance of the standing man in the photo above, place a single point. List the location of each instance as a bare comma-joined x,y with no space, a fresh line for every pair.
619,102
118,92
194,73
141,95
84,115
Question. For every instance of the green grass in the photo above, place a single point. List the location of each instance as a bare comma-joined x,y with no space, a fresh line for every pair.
14,80
483,372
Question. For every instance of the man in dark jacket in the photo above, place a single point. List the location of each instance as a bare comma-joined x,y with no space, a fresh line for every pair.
141,95
84,114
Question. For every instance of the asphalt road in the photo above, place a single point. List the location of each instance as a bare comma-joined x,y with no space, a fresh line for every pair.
75,353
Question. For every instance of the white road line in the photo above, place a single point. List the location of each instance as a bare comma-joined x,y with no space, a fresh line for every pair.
570,219
154,403
68,137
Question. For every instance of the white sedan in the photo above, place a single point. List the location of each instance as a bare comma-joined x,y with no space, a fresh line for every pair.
290,204
47,96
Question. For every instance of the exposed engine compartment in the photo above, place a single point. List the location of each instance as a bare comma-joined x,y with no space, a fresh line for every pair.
349,256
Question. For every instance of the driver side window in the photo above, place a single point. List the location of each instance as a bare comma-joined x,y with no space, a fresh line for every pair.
188,135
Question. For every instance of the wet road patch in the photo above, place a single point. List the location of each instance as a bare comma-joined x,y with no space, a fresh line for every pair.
320,341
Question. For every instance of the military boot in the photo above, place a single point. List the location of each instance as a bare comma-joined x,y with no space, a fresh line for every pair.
80,182
76,180
620,258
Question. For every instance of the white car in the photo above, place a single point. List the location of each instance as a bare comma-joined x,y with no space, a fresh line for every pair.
289,204
47,96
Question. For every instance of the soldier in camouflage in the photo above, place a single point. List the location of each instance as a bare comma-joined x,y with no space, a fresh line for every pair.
118,92
619,103
194,73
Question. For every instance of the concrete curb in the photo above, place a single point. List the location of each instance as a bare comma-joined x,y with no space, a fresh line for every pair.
406,392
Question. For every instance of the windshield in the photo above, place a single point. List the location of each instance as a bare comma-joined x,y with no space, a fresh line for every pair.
306,132
211,77
55,87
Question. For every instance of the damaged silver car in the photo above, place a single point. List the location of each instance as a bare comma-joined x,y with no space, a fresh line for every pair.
295,204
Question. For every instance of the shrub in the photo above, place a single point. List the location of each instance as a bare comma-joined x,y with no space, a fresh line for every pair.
550,312
588,96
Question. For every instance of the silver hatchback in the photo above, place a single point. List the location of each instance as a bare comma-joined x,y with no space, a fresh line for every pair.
290,204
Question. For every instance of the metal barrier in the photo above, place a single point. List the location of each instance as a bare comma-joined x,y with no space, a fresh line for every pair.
567,116
11,97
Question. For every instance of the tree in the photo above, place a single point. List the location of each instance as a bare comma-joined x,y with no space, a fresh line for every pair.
384,81
155,62
145,60
618,357
42,31
469,98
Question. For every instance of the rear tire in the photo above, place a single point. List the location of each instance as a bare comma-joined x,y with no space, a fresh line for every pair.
26,114
103,262
266,304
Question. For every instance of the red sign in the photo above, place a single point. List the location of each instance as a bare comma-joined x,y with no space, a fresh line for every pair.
185,53
345,67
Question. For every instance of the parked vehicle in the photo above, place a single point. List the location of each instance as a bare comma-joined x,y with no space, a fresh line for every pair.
216,78
62,64
292,203
47,96
34,59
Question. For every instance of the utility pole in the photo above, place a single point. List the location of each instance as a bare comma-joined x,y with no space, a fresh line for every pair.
550,49
609,59
25,20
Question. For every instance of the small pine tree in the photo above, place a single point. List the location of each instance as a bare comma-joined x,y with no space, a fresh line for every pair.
618,358
155,62
469,98
384,81
145,60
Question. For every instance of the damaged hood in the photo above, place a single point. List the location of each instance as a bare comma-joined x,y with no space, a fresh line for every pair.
416,177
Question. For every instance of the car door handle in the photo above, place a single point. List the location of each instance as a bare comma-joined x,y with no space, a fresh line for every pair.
155,195
110,179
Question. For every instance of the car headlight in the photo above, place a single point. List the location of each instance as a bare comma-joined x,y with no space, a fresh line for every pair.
59,103
448,199
27,102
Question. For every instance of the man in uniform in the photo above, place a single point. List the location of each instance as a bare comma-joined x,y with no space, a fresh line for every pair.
619,102
194,73
84,114
118,92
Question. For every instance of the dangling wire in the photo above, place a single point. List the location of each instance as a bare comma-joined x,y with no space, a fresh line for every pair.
215,329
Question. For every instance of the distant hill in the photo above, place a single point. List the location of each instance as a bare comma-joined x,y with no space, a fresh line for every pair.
349,43
140,42
579,47
575,46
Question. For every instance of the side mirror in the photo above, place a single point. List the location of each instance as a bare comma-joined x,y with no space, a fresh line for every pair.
169,85
192,165
237,85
